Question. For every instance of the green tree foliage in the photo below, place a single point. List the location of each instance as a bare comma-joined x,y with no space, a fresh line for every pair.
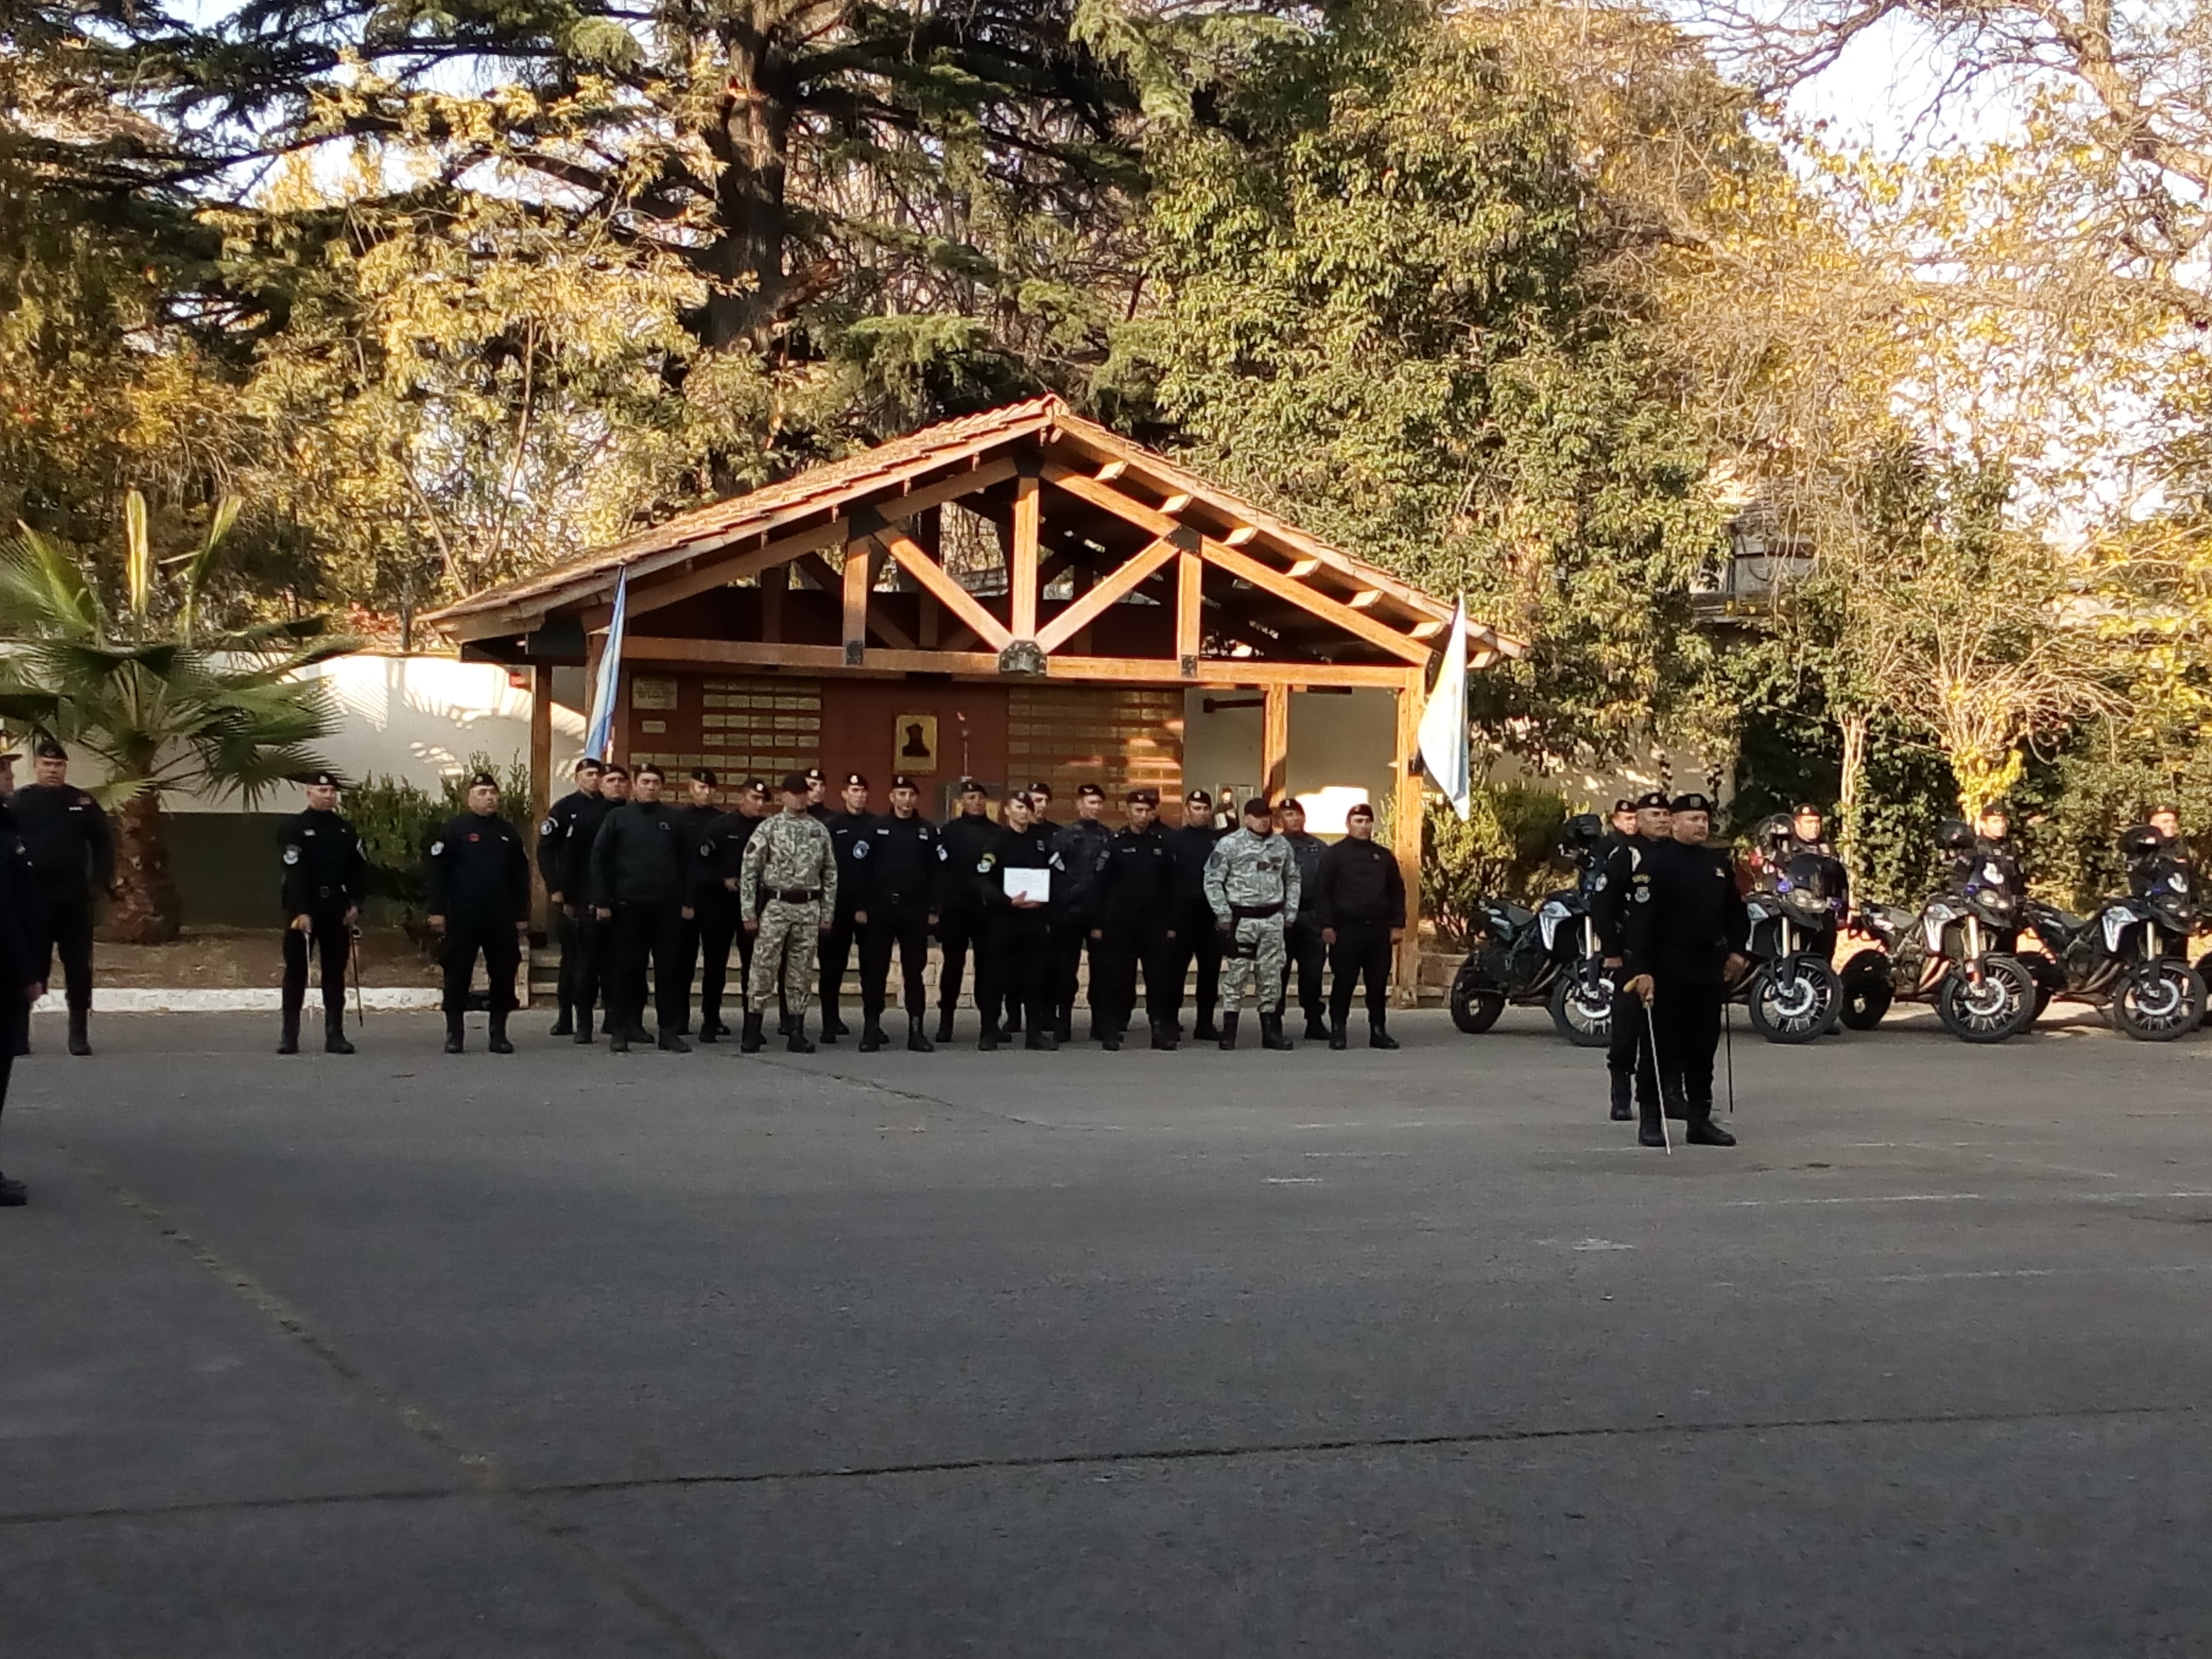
1508,848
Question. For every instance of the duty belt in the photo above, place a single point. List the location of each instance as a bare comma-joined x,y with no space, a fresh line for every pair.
1255,912
795,894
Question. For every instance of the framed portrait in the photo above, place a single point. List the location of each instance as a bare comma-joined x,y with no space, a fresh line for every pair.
914,743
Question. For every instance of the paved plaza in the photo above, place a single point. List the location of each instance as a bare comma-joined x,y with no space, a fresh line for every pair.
1088,1354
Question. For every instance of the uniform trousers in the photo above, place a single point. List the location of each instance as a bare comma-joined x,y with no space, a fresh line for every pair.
569,936
646,932
333,940
1069,936
1362,951
783,954
836,957
718,928
1126,946
1013,967
1198,938
591,937
15,1033
1256,942
958,931
69,931
1629,1051
1686,1014
496,941
1306,954
907,927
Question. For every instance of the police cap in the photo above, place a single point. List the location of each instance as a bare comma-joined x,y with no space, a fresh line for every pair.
591,763
1361,810
1624,804
754,785
1037,789
1150,797
324,778
1089,791
813,774
855,780
703,776
795,783
902,782
481,780
49,750
1692,802
1258,807
1652,800
1806,809
1199,797
651,768
974,786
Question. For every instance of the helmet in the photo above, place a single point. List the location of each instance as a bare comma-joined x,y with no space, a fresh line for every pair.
1955,835
1581,833
1774,833
2141,842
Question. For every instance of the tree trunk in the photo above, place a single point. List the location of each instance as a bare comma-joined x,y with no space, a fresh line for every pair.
1847,792
146,909
750,139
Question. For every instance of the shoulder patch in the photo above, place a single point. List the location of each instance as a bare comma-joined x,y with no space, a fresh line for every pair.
291,855
436,848
983,864
549,826
859,848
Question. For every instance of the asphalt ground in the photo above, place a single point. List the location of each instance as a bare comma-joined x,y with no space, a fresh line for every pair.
1121,1355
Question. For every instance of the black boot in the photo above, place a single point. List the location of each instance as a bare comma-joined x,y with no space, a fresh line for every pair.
564,1025
618,1038
1623,1086
583,1037
671,1040
1316,1027
80,1043
711,1028
1206,1030
750,1042
1163,1035
917,1041
1337,1038
1649,1131
289,1043
1064,1031
1041,1038
1703,1130
1270,1032
832,1027
945,1025
635,1031
1110,1042
1377,1037
1226,1035
499,1043
334,1036
989,1042
796,1042
453,1034
872,1035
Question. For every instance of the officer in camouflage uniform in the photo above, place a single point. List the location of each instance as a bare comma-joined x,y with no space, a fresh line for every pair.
1252,882
787,893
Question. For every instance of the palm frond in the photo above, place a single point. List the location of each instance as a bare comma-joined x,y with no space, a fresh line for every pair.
43,591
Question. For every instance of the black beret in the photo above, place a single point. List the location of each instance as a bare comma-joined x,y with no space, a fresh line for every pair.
1693,802
1624,804
973,786
1150,797
1044,789
1361,810
902,782
754,786
653,767
1652,800
1089,791
481,780
795,783
591,763
1200,797
326,779
855,780
813,774
49,750
1257,808
703,776
1804,806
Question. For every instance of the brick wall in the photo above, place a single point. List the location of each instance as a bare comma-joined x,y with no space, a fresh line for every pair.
739,726
1120,738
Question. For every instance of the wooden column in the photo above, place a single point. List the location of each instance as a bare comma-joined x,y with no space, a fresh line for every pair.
1406,835
1022,561
1275,742
772,582
860,566
541,766
1189,570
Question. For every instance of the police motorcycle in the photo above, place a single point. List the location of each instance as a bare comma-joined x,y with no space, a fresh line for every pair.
1959,952
1548,956
2130,955
1791,990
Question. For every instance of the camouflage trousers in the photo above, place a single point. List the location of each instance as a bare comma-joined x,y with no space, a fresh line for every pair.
783,956
1254,945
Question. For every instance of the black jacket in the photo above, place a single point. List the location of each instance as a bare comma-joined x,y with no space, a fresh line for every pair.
1191,846
896,864
1610,886
66,837
845,829
478,871
1079,847
1136,884
637,858
1307,849
324,867
721,860
1357,884
584,822
1012,849
1684,915
22,916
692,822
553,839
963,839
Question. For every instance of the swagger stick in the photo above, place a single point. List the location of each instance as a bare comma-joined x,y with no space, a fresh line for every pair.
1728,1041
1658,1076
359,1002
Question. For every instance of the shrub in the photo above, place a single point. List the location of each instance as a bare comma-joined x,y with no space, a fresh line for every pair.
1508,848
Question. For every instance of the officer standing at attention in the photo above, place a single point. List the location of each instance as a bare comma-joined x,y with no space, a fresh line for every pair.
1078,848
1252,883
1628,1061
848,829
786,892
714,904
1359,899
692,818
639,885
1684,921
1133,911
20,984
966,836
552,855
72,858
897,875
1197,935
480,900
1623,826
585,823
1303,939
818,793
1013,967
325,873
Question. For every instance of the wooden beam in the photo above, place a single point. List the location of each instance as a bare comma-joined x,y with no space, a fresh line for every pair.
774,581
1190,571
1110,471
859,564
1022,559
1405,835
984,665
1365,601
1275,742
1243,534
813,658
1300,568
948,593
1175,504
1102,595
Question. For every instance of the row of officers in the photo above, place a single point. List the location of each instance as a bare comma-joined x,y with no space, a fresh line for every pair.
792,889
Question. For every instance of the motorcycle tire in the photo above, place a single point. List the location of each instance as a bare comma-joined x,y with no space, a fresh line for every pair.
1866,999
2158,1002
2001,1006
1581,1007
1792,1000
1475,1006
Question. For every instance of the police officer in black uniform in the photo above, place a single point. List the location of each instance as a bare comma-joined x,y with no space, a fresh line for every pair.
1198,935
1360,895
1628,1056
325,874
574,861
552,859
961,842
20,967
818,793
640,887
1686,924
480,900
692,817
1132,904
715,912
1015,963
898,877
72,857
1303,952
846,828
1078,848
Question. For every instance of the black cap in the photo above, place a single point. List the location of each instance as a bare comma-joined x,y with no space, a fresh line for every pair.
1652,800
754,786
973,786
703,776
1150,797
326,779
653,767
1361,810
1039,789
813,774
855,780
591,763
1804,806
795,783
1624,804
902,782
1257,808
1200,797
49,750
481,780
1693,802
1089,791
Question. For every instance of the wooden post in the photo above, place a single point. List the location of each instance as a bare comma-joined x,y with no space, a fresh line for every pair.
772,582
860,566
1189,570
1021,562
541,766
1275,742
1405,835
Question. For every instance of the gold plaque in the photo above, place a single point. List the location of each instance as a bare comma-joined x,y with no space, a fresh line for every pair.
914,743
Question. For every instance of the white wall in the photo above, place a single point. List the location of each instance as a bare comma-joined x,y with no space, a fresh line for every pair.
1340,749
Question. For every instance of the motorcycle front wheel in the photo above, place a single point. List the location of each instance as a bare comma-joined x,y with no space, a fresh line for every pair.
2158,1002
1475,1006
1581,1007
2000,1004
1867,998
1795,1000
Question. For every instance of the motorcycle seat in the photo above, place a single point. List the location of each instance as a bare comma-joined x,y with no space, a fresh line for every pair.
1519,915
2065,923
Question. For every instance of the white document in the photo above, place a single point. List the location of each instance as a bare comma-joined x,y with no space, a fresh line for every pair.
1029,884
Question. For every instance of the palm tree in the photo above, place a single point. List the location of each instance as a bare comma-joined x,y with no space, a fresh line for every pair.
164,700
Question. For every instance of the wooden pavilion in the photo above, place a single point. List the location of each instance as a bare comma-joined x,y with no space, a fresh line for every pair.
1014,594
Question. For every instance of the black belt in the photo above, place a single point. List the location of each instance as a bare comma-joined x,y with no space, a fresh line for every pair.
795,894
1254,912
